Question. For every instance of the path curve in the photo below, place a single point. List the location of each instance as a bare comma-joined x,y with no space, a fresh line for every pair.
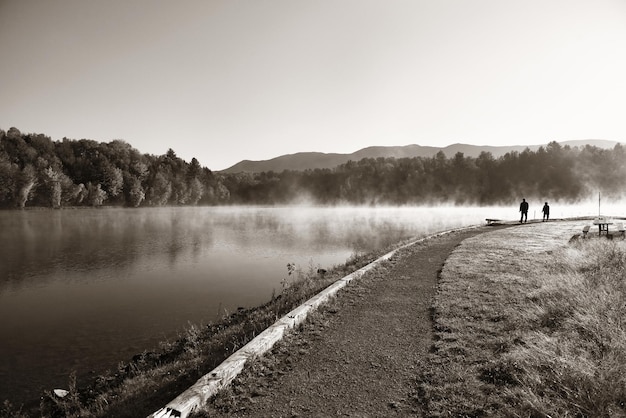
359,356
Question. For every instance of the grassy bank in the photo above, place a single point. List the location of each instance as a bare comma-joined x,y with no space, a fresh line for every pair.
151,379
529,322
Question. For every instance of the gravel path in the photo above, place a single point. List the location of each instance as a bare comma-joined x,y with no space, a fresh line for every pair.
358,356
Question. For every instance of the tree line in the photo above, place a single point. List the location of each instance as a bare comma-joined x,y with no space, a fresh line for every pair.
36,171
553,172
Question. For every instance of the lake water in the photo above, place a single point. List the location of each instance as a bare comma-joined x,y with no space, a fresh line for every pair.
85,289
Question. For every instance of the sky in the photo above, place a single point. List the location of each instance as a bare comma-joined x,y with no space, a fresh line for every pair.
224,81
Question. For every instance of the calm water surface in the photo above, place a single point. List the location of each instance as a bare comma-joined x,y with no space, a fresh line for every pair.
85,289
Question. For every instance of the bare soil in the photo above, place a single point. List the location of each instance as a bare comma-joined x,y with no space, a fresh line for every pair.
359,356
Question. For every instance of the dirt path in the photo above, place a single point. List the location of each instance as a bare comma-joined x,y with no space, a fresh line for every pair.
360,355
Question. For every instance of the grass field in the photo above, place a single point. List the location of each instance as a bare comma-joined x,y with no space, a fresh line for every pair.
530,322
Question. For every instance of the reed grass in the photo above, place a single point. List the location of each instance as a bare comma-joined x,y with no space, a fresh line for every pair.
529,323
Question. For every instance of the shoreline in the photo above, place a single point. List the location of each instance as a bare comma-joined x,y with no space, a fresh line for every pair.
356,354
213,382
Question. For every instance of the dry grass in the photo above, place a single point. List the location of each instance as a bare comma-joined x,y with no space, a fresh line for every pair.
530,324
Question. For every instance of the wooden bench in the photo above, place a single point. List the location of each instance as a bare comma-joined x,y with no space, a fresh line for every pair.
491,221
586,230
621,230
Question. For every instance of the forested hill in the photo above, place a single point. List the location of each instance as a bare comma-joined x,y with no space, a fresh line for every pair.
312,160
36,171
553,172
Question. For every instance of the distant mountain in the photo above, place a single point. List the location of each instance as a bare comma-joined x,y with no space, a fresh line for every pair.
312,160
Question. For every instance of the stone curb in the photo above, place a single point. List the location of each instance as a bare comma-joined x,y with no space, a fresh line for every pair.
211,383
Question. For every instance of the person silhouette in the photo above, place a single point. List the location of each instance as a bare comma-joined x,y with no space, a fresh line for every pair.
546,212
523,207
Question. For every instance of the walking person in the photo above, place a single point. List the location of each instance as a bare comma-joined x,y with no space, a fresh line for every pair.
523,207
546,212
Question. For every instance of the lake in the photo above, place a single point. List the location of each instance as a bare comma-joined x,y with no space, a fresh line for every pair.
85,289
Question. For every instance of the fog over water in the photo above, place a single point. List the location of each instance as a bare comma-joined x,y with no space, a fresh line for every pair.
84,289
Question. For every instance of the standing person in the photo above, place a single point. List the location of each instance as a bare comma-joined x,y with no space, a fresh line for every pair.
546,212
523,207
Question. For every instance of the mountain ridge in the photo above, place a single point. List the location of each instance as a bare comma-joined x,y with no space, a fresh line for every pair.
311,160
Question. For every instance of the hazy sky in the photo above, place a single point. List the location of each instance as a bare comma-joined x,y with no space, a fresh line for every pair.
224,81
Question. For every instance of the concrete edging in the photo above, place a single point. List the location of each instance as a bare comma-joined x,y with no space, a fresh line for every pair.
211,383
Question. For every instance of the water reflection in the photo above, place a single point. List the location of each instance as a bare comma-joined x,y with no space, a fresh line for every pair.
35,244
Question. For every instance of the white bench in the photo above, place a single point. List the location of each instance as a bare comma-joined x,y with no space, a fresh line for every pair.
491,221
